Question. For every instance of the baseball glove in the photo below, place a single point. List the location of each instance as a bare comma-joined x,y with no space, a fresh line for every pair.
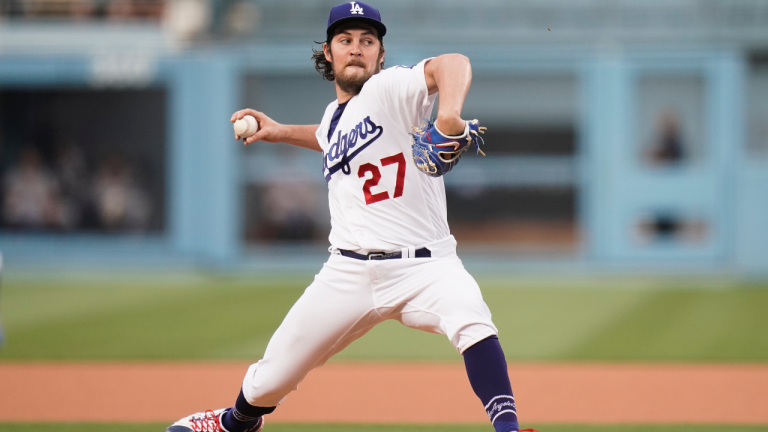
436,154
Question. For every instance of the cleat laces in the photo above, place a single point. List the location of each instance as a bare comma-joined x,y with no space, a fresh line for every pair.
208,423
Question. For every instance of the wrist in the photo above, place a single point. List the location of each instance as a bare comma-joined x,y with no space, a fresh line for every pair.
450,125
281,133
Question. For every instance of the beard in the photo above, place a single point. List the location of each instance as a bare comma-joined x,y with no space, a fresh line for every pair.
352,83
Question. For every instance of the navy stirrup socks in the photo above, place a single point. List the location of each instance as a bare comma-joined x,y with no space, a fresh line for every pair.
487,372
242,415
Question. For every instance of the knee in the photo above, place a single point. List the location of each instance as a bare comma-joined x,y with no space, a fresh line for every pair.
265,390
471,334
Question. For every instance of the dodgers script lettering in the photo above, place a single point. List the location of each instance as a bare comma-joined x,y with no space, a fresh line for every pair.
361,136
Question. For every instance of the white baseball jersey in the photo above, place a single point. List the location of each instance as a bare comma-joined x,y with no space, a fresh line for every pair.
379,200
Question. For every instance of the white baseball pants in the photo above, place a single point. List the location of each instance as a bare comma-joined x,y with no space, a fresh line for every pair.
349,297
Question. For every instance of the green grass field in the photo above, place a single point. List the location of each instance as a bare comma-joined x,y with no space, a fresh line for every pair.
550,320
632,320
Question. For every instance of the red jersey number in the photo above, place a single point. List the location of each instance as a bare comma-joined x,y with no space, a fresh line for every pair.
370,198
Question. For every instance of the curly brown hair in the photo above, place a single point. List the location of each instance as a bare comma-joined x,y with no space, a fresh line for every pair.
325,67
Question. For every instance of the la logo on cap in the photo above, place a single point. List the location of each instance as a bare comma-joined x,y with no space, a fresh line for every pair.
352,11
356,9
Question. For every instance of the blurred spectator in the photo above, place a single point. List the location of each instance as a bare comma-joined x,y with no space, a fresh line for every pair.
668,146
291,209
120,9
11,8
72,174
71,169
70,197
120,203
148,9
186,18
670,226
83,9
31,194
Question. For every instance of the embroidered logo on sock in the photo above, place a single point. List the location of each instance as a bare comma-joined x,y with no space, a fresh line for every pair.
241,417
499,405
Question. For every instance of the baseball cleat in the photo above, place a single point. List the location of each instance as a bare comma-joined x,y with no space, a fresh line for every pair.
208,421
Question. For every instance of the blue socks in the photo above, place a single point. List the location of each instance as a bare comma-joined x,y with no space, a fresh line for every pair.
243,415
487,372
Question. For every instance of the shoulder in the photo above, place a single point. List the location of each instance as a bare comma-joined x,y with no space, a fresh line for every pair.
405,69
400,74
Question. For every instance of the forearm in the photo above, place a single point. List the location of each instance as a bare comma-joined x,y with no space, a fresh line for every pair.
271,131
300,136
451,76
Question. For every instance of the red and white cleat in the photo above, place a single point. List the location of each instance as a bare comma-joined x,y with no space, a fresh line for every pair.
209,421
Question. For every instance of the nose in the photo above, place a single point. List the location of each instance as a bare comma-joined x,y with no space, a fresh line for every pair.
356,51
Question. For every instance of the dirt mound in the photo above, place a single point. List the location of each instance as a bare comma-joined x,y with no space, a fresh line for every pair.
390,393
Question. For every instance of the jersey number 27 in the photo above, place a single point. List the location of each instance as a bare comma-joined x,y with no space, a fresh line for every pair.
370,198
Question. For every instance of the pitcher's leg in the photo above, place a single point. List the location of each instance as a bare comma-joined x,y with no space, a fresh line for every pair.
451,303
487,373
335,309
448,301
311,332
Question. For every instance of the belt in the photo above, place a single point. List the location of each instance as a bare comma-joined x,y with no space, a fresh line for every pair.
420,253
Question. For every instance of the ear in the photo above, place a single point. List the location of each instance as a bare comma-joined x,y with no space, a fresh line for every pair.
327,52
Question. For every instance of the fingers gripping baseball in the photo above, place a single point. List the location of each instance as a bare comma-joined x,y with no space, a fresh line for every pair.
268,130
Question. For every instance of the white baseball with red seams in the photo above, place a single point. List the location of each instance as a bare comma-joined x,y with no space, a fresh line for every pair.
246,126
379,202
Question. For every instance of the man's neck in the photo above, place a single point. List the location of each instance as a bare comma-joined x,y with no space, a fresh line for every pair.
343,96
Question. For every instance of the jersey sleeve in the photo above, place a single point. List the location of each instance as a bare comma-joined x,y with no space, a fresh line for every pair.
403,94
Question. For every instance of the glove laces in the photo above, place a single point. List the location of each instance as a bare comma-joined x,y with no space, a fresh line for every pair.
473,136
477,140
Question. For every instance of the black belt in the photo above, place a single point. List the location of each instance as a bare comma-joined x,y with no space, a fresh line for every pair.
420,253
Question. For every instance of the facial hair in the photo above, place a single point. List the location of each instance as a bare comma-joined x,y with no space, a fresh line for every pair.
353,83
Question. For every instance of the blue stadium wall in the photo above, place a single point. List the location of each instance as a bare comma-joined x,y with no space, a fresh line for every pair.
204,206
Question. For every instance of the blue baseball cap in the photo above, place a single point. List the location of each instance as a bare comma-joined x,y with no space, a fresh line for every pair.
355,11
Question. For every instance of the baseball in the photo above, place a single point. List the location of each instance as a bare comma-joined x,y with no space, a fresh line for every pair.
246,126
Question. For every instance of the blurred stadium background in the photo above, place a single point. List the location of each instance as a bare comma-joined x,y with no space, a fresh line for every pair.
626,175
622,134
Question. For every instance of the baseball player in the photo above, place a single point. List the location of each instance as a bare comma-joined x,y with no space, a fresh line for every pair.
392,255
